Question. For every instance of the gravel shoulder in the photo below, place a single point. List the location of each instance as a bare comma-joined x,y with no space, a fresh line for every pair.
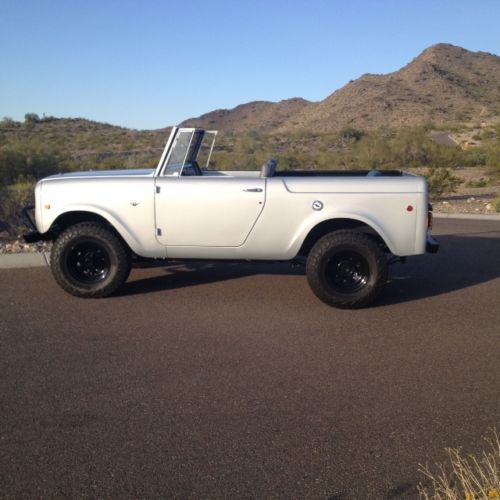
474,196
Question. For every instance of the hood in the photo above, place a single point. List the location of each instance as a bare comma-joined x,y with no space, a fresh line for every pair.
143,172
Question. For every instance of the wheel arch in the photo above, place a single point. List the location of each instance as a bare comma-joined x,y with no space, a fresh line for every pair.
70,218
338,224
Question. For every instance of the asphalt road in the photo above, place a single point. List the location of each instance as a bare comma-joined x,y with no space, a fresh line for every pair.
234,381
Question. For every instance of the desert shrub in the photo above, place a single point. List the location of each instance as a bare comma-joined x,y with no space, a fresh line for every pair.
14,198
8,122
31,118
441,180
465,477
16,164
221,160
12,164
413,147
374,151
112,163
351,133
493,156
479,183
474,158
496,204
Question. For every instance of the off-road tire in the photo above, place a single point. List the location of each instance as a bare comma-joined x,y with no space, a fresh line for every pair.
89,260
346,269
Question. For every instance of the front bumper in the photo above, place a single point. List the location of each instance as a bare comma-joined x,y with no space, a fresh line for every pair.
34,236
29,216
29,219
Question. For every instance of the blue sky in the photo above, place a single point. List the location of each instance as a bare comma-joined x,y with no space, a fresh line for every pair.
149,64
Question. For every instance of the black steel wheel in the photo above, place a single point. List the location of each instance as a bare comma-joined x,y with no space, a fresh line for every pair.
346,269
90,260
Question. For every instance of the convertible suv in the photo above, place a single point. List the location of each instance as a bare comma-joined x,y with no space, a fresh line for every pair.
345,225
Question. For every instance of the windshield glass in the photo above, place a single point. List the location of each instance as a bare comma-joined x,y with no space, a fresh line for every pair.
206,148
184,150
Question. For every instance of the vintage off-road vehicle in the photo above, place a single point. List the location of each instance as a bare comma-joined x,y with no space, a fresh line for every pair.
345,225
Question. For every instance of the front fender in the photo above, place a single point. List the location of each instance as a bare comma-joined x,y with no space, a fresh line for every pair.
112,219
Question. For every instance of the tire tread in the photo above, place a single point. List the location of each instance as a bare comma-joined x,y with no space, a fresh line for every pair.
355,239
99,231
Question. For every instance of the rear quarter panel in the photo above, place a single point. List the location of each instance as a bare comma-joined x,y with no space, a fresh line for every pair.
396,208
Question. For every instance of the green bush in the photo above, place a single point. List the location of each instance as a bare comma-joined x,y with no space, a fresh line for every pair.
31,118
441,180
351,133
14,199
479,183
496,204
16,165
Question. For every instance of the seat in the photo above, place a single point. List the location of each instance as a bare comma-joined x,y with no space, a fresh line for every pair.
269,168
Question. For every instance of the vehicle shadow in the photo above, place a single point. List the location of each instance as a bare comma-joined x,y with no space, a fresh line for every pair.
192,273
462,261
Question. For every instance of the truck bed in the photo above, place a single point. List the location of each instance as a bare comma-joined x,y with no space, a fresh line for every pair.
338,173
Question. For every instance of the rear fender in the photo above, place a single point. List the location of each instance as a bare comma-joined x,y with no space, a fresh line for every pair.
345,220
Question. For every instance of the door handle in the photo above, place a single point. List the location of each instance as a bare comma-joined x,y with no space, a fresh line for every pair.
253,190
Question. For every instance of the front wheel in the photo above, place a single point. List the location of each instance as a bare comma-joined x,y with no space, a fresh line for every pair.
89,260
346,269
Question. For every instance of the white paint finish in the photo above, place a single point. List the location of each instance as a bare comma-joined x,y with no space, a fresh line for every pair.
207,211
289,217
357,184
213,216
140,172
126,202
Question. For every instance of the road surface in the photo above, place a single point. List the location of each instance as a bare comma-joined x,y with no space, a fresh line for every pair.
231,381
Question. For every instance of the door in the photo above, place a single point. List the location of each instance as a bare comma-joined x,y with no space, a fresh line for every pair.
207,211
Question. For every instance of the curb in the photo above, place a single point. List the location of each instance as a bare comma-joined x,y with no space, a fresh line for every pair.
20,260
492,217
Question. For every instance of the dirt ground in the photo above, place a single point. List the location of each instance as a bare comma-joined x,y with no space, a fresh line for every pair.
475,195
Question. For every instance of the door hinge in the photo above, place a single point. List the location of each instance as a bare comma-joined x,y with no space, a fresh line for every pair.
158,231
158,189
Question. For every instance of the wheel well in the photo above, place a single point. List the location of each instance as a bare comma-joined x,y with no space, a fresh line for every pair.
328,226
71,218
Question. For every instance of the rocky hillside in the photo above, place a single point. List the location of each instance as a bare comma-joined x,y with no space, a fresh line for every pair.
444,84
264,116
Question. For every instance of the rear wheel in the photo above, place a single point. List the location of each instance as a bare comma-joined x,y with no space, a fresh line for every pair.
90,260
346,269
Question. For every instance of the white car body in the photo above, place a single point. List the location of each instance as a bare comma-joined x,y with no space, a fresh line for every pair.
235,215
342,223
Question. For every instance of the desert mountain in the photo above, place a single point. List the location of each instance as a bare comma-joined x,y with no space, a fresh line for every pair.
443,84
257,115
